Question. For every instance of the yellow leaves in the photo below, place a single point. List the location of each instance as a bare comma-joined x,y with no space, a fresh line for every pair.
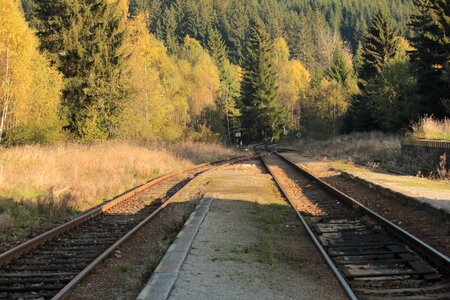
166,92
405,45
122,5
203,77
29,87
300,75
281,50
293,79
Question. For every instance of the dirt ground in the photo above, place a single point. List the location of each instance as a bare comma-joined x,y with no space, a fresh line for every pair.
252,246
429,226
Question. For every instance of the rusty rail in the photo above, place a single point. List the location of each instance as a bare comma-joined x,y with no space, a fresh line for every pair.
72,284
15,252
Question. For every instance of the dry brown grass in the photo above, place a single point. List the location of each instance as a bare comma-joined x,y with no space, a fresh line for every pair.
362,147
375,149
432,129
44,184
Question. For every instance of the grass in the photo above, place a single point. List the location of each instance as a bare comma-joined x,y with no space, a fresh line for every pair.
375,149
124,268
432,129
43,185
271,220
363,147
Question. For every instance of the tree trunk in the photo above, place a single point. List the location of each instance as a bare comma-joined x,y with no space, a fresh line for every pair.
7,96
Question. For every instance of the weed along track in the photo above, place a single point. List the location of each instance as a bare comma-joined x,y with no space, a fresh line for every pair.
50,265
371,257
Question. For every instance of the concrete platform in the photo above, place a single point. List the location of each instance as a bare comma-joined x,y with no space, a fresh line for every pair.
163,279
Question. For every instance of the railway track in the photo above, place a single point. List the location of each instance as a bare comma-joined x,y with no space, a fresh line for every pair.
372,257
50,265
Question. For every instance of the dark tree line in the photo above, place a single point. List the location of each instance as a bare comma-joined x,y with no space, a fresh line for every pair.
171,20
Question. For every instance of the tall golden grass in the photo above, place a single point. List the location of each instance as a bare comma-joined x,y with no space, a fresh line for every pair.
44,184
432,129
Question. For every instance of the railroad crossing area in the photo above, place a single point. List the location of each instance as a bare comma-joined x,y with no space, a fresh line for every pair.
250,245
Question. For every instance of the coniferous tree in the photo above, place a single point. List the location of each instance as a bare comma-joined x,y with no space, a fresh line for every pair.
84,39
340,70
216,46
229,81
237,31
380,45
431,58
262,115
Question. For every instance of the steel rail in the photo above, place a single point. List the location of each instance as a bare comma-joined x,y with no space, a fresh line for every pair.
440,260
17,251
343,282
75,281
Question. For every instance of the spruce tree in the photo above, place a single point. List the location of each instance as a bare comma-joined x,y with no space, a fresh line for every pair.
340,70
84,40
217,48
262,115
51,19
380,45
229,85
431,25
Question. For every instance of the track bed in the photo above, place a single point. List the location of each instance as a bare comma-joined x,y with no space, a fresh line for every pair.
45,269
372,260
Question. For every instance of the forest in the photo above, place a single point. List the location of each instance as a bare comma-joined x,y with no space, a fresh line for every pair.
205,70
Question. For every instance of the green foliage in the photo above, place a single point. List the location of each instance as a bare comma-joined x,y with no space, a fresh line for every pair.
172,20
340,70
431,25
379,87
229,84
84,40
262,118
380,45
392,96
160,69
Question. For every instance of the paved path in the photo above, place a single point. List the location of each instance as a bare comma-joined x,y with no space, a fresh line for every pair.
251,246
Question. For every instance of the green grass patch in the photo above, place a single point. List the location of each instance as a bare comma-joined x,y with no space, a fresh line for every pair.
124,268
271,220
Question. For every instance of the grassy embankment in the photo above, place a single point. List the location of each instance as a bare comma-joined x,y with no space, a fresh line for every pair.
432,129
375,149
362,147
43,185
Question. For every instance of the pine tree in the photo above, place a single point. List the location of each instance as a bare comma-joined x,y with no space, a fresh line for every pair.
380,45
217,48
51,19
431,25
229,81
238,28
340,70
262,115
358,59
84,39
